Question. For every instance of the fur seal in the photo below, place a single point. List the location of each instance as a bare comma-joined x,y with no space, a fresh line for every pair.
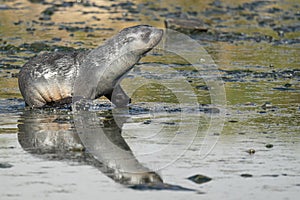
56,78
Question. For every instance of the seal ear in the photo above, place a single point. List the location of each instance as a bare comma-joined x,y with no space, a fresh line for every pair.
118,97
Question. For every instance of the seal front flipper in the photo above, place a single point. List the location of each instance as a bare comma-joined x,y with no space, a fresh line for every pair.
118,97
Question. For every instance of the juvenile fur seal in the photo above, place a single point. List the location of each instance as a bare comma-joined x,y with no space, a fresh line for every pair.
56,78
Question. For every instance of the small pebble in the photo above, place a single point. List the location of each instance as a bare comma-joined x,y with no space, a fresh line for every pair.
267,105
246,175
250,104
56,39
269,146
287,85
251,151
5,165
199,179
147,122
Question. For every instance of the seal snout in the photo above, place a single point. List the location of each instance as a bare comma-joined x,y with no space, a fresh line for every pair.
151,36
158,34
147,34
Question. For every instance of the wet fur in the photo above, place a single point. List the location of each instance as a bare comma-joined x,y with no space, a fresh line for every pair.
55,78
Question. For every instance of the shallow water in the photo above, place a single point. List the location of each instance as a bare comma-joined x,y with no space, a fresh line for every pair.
174,126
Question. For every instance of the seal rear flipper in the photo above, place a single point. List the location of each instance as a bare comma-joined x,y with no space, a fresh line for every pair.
62,103
118,97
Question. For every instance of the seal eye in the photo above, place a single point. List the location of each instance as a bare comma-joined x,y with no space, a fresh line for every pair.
129,39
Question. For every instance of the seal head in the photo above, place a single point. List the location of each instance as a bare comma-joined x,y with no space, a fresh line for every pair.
139,39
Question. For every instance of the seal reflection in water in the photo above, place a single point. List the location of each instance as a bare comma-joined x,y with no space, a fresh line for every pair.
96,141
53,136
54,78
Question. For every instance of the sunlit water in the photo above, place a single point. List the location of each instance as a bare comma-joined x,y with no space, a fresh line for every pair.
254,156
